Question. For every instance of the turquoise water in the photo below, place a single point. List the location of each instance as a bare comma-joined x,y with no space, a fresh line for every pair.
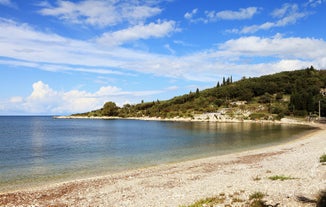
42,149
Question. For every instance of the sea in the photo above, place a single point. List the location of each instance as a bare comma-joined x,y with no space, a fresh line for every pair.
35,150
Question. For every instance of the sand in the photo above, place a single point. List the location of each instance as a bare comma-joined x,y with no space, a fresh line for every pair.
237,175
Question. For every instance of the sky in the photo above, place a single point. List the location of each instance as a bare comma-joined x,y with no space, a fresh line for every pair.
59,57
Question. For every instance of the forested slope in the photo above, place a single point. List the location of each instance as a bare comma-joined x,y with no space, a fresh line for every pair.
295,93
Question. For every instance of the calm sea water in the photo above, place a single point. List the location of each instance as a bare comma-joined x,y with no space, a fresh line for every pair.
42,149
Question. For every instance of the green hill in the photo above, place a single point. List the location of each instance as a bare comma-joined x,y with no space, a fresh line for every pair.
295,93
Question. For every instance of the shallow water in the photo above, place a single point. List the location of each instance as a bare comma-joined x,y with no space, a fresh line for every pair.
41,149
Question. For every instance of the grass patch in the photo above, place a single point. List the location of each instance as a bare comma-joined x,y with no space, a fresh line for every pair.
281,177
211,201
322,159
255,199
256,195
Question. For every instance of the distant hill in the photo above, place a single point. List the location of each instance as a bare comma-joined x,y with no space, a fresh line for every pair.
274,96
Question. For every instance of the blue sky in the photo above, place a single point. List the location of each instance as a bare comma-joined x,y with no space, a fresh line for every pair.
62,57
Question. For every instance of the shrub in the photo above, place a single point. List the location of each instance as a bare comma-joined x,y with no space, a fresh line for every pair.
258,203
322,158
321,199
280,116
266,98
301,113
257,116
256,195
256,200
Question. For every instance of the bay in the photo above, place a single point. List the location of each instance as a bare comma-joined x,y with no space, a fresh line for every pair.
35,150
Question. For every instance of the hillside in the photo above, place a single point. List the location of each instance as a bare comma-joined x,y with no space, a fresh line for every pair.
274,96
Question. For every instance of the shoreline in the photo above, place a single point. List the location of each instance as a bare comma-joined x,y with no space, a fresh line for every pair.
210,117
183,183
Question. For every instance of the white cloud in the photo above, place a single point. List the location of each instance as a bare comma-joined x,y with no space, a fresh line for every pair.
277,46
286,15
5,2
8,3
135,13
249,56
212,16
255,28
16,99
45,100
284,10
243,13
99,12
152,30
23,43
24,46
168,47
186,44
289,15
190,15
315,3
172,88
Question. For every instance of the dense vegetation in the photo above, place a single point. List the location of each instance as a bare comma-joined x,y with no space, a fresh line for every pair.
295,93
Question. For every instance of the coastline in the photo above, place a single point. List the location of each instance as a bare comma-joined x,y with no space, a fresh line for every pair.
209,117
183,183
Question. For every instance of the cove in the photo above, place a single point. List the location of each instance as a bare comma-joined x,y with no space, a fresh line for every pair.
42,149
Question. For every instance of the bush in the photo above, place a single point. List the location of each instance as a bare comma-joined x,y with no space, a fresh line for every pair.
278,109
256,195
301,113
322,158
321,200
258,116
266,98
279,96
256,200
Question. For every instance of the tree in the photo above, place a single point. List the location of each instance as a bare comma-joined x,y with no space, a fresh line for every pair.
279,96
266,98
310,103
110,109
228,81
245,94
